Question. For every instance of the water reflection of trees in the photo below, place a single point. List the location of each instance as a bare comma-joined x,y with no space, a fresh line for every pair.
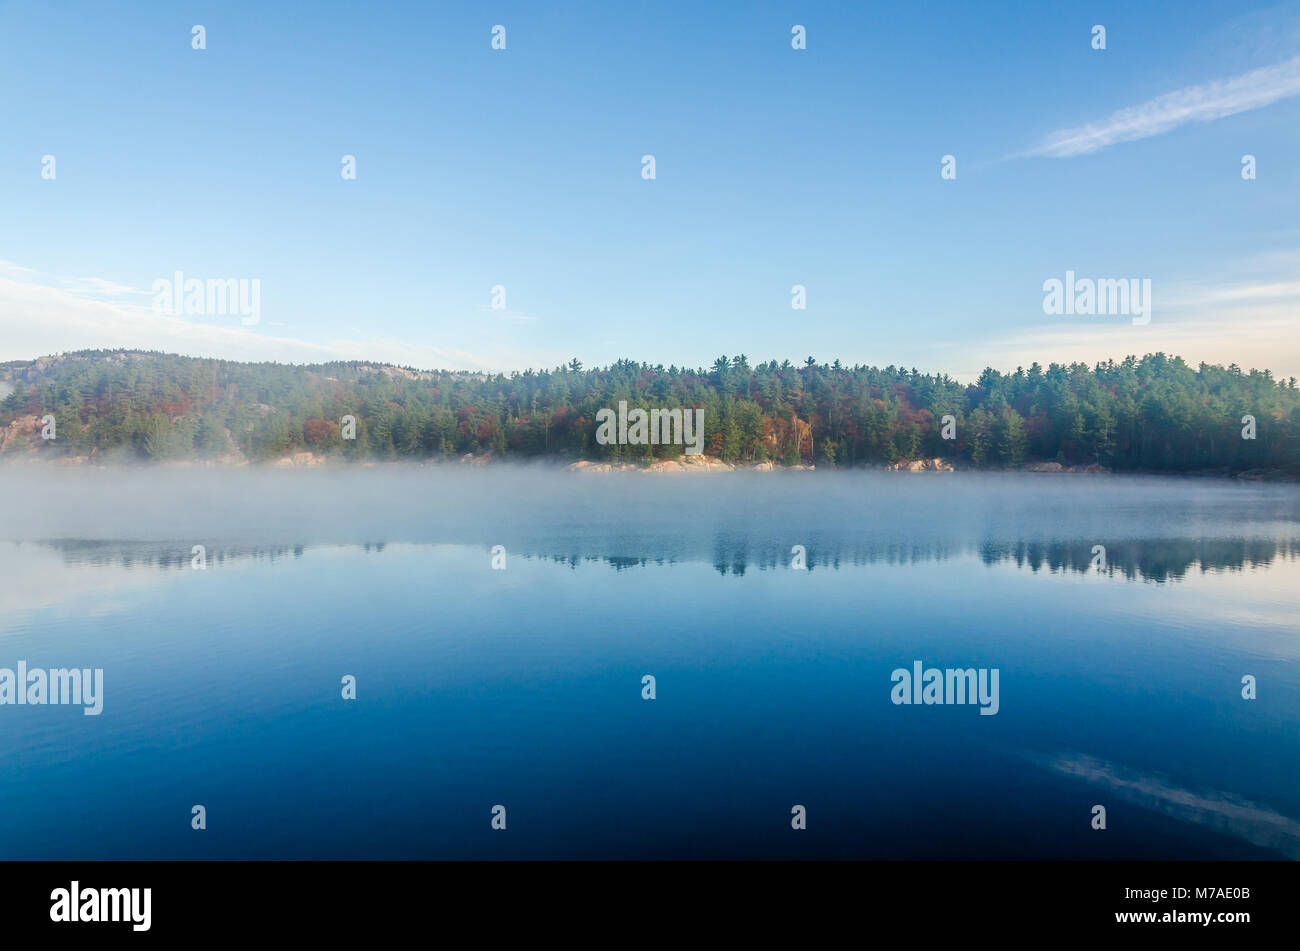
1162,559
1158,560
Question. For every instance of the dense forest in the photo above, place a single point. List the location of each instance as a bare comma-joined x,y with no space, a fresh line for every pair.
1155,413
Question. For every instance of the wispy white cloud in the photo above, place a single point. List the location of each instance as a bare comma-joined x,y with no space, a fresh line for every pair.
1249,315
99,287
41,314
1260,339
1203,103
16,270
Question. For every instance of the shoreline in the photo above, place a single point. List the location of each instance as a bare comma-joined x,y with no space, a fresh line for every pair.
684,465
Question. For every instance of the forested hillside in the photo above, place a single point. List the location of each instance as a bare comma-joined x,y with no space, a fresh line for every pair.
1155,413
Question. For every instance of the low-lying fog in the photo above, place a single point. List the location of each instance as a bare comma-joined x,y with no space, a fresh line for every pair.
542,507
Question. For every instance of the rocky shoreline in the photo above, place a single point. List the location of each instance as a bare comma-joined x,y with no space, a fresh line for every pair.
683,464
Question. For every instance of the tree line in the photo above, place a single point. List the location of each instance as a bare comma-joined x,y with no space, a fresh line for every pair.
1154,413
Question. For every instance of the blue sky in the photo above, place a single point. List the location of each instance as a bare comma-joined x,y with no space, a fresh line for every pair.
775,167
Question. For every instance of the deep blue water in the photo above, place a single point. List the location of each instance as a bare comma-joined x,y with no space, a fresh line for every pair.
522,687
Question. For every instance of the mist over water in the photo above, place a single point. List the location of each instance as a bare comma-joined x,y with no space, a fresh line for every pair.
543,509
522,686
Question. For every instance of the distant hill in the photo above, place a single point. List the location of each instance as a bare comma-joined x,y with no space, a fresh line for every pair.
1151,414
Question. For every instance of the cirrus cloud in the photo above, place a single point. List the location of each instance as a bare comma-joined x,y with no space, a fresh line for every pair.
1204,103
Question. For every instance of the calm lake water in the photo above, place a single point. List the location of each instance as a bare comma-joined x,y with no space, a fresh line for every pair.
522,687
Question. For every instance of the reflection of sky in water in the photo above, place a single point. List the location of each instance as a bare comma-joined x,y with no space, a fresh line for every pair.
1221,811
523,686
